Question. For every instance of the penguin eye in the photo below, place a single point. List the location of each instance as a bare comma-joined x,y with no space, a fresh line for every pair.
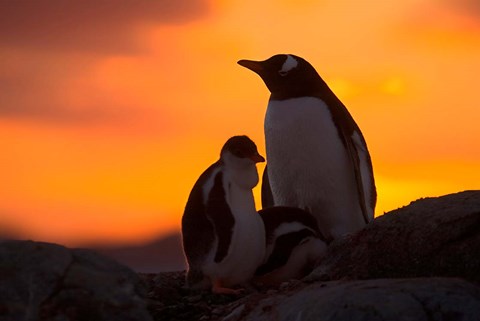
282,73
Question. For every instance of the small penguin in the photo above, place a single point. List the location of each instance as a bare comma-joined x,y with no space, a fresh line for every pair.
223,235
294,245
317,156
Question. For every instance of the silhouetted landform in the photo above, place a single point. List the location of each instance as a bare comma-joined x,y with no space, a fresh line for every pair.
430,237
162,255
44,281
420,262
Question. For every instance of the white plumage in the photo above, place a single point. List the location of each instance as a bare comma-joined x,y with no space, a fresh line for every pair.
304,150
247,247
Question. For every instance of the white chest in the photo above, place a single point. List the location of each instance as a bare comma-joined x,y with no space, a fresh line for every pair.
248,239
299,123
247,246
238,185
306,157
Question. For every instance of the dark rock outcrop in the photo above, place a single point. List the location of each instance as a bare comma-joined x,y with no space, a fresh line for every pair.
42,281
420,262
428,299
384,299
430,237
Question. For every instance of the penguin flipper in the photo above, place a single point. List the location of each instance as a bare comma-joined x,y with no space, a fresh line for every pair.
267,195
198,234
362,165
219,213
282,249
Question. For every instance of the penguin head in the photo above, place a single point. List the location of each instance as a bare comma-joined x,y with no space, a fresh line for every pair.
240,152
239,156
286,76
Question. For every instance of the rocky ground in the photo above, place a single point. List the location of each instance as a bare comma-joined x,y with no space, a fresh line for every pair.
378,299
170,300
420,262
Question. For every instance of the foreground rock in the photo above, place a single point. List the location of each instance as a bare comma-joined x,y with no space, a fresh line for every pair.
41,281
171,301
403,299
430,237
421,262
428,299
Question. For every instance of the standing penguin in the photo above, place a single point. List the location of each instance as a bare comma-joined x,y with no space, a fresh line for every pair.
223,235
317,157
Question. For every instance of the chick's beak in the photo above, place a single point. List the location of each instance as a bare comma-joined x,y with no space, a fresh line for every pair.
255,66
257,158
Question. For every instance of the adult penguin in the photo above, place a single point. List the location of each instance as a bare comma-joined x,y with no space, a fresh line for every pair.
317,157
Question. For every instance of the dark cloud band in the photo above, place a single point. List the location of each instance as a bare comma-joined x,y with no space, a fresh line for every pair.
95,25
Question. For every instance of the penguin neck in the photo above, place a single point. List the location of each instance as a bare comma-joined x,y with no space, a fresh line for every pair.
244,178
315,87
238,185
241,172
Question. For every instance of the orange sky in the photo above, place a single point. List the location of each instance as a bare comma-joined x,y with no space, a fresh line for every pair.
109,114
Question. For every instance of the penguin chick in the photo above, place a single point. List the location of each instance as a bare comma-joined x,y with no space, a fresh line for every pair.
318,159
294,244
223,235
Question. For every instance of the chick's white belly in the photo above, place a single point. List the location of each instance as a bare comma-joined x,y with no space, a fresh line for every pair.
247,247
247,252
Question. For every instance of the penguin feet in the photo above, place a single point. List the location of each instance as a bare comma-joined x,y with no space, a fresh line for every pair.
195,280
217,288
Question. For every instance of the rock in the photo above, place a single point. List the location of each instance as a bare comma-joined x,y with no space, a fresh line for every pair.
420,262
42,281
235,314
428,299
400,267
171,301
430,237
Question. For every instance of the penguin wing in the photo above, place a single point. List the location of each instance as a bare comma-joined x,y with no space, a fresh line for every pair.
282,249
362,164
219,213
357,150
267,196
197,229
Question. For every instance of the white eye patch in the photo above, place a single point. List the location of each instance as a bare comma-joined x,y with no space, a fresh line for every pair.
288,65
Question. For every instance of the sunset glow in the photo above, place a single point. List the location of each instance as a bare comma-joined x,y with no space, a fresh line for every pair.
109,115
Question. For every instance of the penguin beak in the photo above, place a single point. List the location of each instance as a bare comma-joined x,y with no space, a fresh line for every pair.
255,66
257,158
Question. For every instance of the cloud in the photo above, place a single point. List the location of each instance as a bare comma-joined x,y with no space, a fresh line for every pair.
468,7
99,111
88,25
31,91
45,98
61,89
57,113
